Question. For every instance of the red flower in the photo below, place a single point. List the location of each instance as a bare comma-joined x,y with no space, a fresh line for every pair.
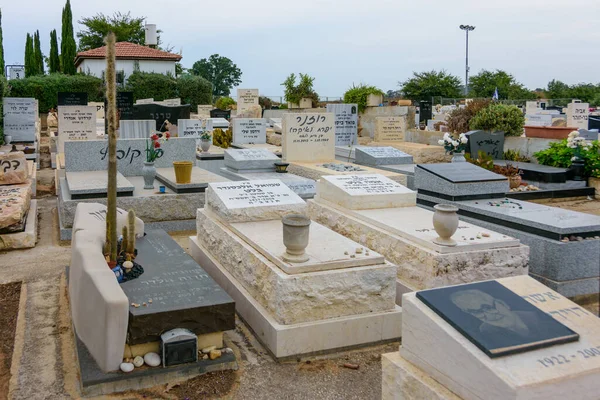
154,137
156,145
167,135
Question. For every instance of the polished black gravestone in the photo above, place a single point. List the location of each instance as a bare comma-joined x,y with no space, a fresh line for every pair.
491,143
495,319
72,99
183,295
161,113
217,113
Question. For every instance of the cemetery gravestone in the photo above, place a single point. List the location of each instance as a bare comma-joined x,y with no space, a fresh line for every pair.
425,111
246,98
374,156
171,102
20,115
250,160
308,137
99,109
75,123
13,168
193,128
577,115
136,129
346,123
72,99
125,105
160,113
491,143
204,110
249,131
217,113
538,120
144,101
390,129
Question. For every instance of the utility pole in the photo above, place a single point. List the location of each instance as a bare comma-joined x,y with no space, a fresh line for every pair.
467,28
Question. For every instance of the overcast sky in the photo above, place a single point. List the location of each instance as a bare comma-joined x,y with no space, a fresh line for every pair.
378,42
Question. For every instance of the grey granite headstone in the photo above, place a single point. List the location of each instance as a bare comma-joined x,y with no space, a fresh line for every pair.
249,131
457,180
20,115
92,155
491,143
374,156
250,160
588,135
346,123
136,129
193,128
183,294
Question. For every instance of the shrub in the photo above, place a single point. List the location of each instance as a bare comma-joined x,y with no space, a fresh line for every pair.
3,92
483,160
499,117
515,155
458,121
45,88
194,90
358,95
294,93
265,102
145,85
222,138
225,103
559,154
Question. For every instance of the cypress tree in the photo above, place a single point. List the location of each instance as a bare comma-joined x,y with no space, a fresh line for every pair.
53,58
68,47
1,48
39,57
30,65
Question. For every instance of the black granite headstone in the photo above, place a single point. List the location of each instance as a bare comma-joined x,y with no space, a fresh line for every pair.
124,106
594,122
72,99
161,113
425,111
183,295
491,143
217,113
495,319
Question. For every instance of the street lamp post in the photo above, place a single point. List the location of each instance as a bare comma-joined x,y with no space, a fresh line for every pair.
467,28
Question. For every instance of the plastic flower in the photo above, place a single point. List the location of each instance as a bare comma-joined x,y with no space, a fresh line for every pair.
441,142
455,143
464,140
167,135
154,137
156,145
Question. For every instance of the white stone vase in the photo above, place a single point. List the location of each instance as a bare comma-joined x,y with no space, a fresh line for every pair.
7,139
445,222
149,173
205,144
459,157
296,228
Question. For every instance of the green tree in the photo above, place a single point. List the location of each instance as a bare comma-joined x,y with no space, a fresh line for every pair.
220,71
125,27
68,47
37,51
30,64
557,90
485,83
53,58
584,92
1,48
425,85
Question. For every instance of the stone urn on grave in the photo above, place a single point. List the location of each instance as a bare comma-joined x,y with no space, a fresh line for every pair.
296,229
445,222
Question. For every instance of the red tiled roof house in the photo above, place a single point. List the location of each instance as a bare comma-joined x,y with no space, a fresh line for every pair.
130,57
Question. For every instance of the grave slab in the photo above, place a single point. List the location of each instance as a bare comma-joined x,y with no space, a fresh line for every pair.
93,184
303,187
315,171
561,371
252,201
290,340
377,156
422,153
220,123
538,172
458,181
26,238
368,191
184,295
250,160
14,204
199,182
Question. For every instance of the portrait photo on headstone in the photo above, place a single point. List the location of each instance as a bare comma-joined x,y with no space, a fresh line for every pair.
495,319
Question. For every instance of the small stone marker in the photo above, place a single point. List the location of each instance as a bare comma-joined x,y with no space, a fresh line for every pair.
308,137
20,116
368,191
193,128
75,123
578,115
249,131
390,129
13,168
245,201
246,98
346,123
72,98
373,156
246,160
491,143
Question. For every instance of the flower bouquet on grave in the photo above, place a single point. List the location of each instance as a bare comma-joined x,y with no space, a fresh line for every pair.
153,145
453,145
127,252
579,145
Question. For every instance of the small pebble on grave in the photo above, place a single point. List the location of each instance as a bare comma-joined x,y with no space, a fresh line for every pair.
207,350
138,361
126,367
152,359
214,354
